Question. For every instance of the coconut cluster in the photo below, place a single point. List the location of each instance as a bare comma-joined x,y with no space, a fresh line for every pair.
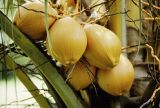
69,41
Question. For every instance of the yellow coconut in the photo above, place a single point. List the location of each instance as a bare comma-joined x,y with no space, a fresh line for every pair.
67,40
103,46
30,19
81,75
118,80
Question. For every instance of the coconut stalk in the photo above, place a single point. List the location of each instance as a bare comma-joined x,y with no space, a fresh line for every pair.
133,25
31,87
134,37
133,15
134,28
117,19
43,64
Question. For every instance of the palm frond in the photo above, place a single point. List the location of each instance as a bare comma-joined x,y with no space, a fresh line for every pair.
28,83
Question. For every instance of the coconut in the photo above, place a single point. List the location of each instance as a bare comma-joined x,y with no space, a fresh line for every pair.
103,46
118,80
81,75
30,19
67,41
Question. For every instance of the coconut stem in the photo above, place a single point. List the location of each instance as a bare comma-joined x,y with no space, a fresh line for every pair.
116,21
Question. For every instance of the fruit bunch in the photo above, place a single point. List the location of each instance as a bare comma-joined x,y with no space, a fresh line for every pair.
89,52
